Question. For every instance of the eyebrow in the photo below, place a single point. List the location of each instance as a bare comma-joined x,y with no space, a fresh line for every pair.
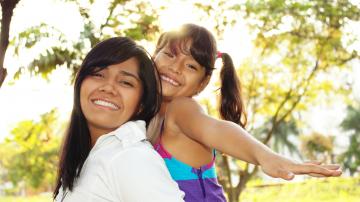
126,73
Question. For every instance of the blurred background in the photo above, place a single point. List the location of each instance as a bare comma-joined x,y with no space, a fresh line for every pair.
298,62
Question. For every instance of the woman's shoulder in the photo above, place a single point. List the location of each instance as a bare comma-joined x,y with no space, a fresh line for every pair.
132,161
139,153
136,169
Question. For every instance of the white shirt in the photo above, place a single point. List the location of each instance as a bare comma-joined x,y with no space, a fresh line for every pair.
122,166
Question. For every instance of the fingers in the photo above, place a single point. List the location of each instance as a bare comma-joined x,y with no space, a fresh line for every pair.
316,175
317,170
312,162
331,166
286,175
327,166
335,173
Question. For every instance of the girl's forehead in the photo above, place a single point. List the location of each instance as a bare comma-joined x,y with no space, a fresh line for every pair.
179,46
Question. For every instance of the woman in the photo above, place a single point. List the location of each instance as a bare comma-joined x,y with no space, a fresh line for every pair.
105,156
186,137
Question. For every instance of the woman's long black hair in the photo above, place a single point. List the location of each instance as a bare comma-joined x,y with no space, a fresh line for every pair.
77,143
203,50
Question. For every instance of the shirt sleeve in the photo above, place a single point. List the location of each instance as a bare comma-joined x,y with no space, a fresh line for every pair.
139,174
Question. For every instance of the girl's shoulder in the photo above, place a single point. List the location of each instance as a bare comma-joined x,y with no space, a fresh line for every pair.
183,113
181,109
184,105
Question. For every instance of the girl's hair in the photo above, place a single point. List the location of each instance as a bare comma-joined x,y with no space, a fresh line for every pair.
203,50
77,143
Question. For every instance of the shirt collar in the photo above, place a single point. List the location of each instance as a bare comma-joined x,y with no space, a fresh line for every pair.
129,133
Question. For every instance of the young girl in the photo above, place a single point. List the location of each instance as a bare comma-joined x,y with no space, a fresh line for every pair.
186,137
105,156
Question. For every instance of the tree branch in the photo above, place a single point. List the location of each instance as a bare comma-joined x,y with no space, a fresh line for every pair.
111,10
7,8
275,121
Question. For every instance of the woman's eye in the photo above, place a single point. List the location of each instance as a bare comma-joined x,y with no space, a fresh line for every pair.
126,83
97,74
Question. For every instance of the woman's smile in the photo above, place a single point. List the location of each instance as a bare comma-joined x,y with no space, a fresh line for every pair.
105,104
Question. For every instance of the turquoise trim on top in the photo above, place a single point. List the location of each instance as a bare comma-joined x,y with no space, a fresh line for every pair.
182,171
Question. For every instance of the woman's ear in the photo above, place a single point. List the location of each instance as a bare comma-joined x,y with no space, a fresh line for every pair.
140,109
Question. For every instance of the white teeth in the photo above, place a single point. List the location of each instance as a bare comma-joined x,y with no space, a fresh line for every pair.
173,82
106,104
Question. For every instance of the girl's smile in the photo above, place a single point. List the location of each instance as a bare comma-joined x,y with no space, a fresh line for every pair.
169,79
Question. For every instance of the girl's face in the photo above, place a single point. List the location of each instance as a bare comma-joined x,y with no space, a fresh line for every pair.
111,96
181,75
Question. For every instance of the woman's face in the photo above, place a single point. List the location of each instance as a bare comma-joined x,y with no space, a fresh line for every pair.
181,75
110,97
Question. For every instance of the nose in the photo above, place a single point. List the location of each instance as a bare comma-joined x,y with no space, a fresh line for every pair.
108,87
176,67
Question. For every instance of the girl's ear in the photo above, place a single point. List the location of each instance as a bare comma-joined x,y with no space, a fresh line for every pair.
203,84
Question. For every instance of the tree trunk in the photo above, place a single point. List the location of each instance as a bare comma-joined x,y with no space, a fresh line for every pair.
3,73
7,8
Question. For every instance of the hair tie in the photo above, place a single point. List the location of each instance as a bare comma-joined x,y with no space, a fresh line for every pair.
219,54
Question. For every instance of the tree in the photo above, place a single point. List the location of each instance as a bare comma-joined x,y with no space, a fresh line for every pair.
24,158
7,9
351,157
297,43
136,19
30,154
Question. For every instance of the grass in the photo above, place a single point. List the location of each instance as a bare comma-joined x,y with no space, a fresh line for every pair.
314,190
42,198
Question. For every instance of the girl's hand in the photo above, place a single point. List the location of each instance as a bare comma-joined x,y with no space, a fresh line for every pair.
281,167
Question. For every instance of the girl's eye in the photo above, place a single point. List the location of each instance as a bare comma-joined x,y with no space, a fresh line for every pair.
170,55
191,66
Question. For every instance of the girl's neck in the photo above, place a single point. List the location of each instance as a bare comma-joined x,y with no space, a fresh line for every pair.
163,107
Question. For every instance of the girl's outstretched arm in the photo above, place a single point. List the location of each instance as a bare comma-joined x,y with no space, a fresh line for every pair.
233,140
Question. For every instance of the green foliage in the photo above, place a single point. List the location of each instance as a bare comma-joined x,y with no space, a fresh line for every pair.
316,145
30,154
214,10
351,157
315,24
136,19
352,120
58,54
297,45
31,36
145,25
50,60
281,135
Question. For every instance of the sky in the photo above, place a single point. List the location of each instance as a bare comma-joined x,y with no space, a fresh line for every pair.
29,97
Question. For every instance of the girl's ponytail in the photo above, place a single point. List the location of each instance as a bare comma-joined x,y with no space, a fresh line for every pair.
232,104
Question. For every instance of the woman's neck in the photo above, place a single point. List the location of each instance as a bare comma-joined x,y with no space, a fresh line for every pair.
96,132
